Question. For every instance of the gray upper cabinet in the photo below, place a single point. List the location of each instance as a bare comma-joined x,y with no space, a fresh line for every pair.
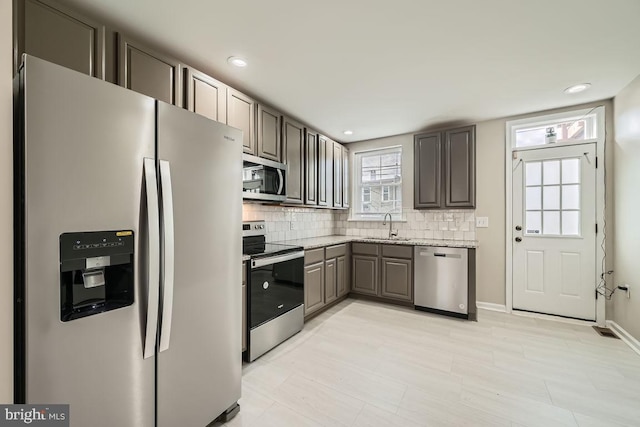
337,175
205,96
57,34
269,133
427,152
293,149
241,115
311,167
148,72
444,169
346,189
460,167
325,171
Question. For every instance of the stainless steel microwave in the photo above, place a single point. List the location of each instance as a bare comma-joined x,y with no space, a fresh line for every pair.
263,179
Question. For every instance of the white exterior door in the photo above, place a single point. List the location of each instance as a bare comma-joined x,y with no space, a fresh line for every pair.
554,220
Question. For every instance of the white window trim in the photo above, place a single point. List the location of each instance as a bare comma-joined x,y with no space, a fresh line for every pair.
357,185
600,140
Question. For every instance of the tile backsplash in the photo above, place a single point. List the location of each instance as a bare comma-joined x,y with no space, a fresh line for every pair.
452,224
287,223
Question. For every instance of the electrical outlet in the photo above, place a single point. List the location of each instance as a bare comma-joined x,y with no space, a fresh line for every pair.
482,222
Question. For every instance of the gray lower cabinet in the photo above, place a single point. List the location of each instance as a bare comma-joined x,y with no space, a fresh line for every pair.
383,270
148,72
269,133
397,279
342,275
58,34
293,149
205,95
313,287
325,276
244,306
330,281
364,274
241,115
444,169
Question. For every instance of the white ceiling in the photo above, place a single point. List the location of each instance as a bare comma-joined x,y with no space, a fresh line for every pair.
383,68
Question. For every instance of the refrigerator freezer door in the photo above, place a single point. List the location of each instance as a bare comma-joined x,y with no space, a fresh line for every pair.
199,374
84,144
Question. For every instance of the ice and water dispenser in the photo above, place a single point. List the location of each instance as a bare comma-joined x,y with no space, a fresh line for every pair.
96,272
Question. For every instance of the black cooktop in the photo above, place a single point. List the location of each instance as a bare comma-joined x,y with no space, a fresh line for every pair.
256,247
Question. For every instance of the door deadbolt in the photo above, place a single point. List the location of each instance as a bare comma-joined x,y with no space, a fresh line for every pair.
518,228
518,239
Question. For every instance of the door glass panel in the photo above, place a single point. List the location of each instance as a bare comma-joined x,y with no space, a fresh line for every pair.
551,222
570,171
571,223
551,198
551,172
533,201
534,173
570,197
533,223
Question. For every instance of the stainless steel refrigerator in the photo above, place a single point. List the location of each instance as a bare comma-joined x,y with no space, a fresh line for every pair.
128,254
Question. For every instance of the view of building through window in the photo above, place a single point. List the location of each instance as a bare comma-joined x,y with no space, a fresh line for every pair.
379,182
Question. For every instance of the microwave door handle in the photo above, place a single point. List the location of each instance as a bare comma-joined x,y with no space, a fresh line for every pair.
168,254
153,257
280,180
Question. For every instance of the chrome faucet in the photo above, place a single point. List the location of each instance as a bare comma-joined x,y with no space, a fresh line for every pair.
392,234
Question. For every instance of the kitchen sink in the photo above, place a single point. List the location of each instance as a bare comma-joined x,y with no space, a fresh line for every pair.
393,239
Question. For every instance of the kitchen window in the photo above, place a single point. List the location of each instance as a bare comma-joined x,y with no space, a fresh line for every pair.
378,184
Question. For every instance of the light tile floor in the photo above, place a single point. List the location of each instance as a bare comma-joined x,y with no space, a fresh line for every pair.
369,364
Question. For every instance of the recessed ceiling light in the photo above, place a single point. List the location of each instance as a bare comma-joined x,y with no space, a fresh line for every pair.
577,88
237,61
348,132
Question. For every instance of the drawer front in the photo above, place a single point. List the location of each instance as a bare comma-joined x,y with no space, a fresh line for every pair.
336,251
365,248
314,255
397,251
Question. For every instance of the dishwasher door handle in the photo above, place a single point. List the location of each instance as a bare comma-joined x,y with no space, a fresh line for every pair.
438,254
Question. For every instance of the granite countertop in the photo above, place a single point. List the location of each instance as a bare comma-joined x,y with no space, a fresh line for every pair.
318,242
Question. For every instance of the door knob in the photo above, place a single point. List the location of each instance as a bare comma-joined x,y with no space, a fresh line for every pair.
518,239
518,228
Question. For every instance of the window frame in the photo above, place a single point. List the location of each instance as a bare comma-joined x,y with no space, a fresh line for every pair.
357,212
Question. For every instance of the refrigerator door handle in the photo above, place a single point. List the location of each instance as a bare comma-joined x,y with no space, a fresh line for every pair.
168,254
153,258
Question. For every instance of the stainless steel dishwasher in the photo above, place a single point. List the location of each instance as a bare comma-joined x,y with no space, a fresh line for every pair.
441,279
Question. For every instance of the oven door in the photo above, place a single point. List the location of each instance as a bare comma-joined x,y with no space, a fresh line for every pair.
276,287
263,179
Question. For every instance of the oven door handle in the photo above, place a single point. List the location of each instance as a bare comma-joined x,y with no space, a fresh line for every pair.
261,262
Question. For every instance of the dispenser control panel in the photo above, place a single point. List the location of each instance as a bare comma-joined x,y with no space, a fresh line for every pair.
96,272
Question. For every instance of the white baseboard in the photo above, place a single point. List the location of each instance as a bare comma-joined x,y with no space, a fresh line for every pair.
491,306
624,336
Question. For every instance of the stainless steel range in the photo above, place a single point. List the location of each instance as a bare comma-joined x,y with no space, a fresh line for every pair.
275,299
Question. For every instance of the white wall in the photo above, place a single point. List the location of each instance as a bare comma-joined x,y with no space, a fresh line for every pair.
626,177
490,194
6,195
